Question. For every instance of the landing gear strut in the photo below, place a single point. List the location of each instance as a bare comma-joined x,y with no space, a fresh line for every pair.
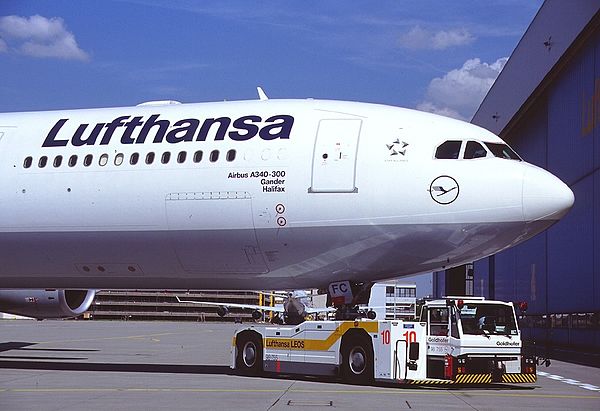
347,312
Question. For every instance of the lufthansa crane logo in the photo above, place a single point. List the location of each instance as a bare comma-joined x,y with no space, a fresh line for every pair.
444,190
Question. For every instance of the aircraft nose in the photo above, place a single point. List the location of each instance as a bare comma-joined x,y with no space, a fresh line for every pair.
545,196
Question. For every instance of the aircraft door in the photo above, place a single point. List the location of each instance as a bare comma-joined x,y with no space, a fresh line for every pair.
334,157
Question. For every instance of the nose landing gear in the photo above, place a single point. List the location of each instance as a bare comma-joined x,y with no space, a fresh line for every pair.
345,296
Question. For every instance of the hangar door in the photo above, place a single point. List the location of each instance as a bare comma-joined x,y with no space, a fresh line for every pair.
334,158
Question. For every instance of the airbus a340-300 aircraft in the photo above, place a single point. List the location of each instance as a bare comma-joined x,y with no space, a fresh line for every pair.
265,194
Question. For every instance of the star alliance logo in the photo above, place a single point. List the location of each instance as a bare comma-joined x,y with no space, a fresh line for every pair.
397,148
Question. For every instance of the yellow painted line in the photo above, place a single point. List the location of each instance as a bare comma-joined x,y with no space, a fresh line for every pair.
374,391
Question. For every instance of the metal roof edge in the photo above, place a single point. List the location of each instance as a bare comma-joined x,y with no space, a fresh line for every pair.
555,31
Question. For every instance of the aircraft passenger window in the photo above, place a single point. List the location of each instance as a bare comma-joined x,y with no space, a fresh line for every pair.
214,156
474,150
503,151
42,162
181,157
27,162
119,159
448,150
230,155
198,156
150,158
87,160
72,160
57,161
133,160
103,160
166,156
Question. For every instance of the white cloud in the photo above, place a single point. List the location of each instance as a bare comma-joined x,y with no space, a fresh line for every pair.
443,111
459,92
419,38
38,36
3,46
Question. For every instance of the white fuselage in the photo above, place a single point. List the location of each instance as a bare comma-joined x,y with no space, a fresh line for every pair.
303,193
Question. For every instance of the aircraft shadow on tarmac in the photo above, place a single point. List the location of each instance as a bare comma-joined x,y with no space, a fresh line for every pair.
56,363
34,363
14,345
26,347
72,363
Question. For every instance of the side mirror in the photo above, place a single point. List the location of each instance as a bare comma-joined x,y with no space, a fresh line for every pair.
413,351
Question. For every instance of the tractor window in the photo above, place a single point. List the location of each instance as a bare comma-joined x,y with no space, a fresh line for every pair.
454,324
498,319
438,321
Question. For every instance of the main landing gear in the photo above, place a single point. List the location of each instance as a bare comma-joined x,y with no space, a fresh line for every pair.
345,296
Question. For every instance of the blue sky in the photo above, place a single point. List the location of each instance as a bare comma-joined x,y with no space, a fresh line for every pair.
438,56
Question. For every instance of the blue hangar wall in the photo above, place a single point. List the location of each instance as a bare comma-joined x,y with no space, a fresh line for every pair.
558,271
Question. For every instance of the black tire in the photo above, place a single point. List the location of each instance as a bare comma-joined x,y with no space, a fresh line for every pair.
249,358
357,360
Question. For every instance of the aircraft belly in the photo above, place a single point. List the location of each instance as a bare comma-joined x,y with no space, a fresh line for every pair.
296,257
315,256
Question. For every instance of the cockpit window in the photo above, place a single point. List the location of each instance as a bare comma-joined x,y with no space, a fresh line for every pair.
474,150
503,151
448,150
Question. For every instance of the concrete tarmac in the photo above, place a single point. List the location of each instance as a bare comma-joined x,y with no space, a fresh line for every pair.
112,366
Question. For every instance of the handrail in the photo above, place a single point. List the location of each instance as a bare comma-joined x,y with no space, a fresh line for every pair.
397,362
